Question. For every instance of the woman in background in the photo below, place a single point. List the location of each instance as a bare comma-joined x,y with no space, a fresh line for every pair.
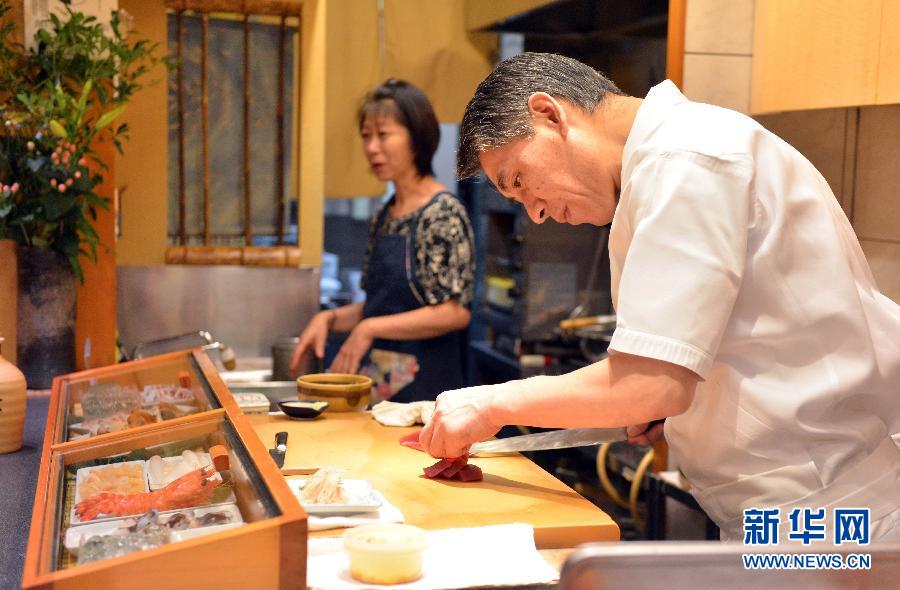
419,268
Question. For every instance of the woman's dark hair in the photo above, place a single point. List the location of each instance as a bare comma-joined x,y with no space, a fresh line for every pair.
413,110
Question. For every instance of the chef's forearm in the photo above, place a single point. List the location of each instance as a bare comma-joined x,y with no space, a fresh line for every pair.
618,391
425,322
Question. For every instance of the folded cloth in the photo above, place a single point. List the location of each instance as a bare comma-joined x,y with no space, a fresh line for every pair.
501,555
397,414
387,512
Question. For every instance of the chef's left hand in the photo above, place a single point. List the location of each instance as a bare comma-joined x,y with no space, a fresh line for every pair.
461,418
354,349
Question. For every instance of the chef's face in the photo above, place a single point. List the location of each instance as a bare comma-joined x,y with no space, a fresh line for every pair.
559,173
387,146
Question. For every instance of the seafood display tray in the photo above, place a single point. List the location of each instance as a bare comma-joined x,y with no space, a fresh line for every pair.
76,535
64,553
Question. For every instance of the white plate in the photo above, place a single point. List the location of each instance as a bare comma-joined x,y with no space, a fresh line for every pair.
362,495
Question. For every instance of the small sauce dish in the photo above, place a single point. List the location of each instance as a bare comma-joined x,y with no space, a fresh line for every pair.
302,409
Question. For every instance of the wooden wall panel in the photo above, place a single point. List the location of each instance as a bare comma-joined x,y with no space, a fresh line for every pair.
142,171
810,54
889,59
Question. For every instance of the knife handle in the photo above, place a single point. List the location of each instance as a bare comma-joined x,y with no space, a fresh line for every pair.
281,439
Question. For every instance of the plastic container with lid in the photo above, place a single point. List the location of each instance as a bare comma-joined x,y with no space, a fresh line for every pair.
385,553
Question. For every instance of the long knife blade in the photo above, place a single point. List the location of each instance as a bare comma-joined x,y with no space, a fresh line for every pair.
544,441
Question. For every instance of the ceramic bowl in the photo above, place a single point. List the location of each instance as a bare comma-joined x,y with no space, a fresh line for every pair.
343,392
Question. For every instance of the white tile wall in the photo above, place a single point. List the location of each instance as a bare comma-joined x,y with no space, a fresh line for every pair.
876,207
722,80
719,26
820,136
884,260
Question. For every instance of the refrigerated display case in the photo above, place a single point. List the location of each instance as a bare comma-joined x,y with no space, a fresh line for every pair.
182,493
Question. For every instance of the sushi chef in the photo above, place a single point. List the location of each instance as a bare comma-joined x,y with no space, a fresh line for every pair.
748,317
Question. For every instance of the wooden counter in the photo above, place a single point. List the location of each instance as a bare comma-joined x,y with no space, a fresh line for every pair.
514,489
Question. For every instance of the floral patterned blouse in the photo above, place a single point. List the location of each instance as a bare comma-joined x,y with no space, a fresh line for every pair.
445,250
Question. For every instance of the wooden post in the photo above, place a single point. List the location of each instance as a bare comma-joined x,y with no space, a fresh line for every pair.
95,311
279,136
182,231
204,110
675,41
248,208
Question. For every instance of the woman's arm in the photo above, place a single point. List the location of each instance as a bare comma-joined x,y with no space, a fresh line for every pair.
346,317
619,391
425,322
342,319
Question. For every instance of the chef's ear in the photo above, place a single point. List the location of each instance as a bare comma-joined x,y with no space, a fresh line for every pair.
546,110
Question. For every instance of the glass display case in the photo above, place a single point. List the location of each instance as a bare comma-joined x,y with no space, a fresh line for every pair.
188,495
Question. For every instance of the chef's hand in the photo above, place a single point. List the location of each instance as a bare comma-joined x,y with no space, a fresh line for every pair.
313,337
354,349
639,434
461,417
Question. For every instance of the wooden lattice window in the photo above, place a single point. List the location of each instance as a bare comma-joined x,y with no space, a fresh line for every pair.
230,135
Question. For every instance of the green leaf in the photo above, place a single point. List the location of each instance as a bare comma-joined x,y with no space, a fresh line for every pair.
109,116
58,130
56,206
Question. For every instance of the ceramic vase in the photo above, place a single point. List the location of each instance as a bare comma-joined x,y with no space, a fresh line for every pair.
12,405
9,294
46,316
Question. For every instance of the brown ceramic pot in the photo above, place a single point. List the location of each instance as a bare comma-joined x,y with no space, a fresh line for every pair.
12,406
343,392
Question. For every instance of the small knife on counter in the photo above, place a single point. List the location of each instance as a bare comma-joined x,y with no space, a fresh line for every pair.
280,449
545,441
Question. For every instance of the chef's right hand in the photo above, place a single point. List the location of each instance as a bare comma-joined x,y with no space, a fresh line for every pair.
313,337
641,435
461,418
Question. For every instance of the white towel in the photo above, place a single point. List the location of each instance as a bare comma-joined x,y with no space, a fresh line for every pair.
502,555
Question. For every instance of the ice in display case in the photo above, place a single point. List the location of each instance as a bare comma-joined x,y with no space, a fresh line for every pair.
193,500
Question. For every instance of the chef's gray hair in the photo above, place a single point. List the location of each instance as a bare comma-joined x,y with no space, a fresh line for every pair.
498,113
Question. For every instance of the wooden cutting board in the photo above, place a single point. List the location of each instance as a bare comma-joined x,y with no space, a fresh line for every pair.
514,489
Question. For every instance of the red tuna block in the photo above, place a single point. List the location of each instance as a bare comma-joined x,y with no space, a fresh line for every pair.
470,473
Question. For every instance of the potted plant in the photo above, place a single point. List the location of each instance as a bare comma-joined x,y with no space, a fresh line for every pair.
56,101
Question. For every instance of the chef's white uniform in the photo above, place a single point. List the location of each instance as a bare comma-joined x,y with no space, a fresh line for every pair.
730,256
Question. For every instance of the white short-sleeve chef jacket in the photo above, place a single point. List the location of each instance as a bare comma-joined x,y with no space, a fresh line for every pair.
731,256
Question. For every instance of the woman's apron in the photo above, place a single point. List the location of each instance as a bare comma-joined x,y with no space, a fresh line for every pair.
405,370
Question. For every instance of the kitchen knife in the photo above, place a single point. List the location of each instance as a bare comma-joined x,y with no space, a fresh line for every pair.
544,441
280,449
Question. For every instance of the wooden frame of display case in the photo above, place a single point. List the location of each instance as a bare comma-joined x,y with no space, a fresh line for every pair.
268,553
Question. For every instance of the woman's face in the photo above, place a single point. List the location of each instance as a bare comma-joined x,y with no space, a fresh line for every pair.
387,146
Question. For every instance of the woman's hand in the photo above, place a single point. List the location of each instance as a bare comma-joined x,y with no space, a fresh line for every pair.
313,337
354,349
461,418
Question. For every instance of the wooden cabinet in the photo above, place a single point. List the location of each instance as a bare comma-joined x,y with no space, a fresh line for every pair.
763,56
257,534
813,54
